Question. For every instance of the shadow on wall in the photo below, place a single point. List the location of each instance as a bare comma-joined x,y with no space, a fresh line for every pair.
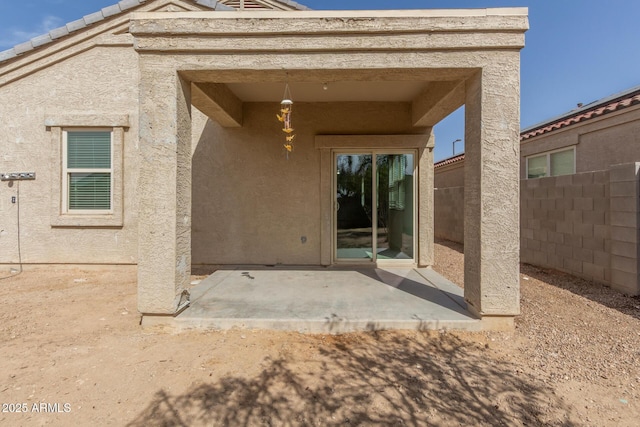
594,291
369,379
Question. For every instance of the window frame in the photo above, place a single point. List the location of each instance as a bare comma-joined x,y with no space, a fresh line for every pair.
66,172
60,215
548,158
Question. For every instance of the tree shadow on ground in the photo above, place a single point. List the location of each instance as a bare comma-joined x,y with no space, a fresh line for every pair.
596,292
373,379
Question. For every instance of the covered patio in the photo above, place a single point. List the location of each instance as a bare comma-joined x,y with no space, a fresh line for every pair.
214,189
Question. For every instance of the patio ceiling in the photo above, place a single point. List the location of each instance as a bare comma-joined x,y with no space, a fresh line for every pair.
433,94
330,91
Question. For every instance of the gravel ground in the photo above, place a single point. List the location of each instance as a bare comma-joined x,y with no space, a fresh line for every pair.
71,341
579,337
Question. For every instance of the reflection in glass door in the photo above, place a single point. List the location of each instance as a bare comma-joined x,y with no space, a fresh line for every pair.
354,219
394,179
374,225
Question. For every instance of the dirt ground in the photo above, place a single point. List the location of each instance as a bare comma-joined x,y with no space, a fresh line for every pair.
73,353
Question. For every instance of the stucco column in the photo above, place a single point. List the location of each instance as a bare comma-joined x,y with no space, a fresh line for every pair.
164,188
326,206
491,210
426,256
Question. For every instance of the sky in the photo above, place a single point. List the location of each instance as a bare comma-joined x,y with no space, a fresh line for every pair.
577,51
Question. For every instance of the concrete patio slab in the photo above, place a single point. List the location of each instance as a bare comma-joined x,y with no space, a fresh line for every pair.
325,300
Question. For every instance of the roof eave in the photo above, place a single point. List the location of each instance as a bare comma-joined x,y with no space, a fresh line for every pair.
102,15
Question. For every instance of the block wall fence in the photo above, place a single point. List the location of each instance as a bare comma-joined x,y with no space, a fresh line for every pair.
449,214
587,224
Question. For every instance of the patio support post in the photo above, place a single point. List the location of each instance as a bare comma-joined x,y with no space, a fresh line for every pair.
164,188
326,206
426,256
492,167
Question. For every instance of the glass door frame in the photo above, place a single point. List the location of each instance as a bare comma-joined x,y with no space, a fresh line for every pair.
374,261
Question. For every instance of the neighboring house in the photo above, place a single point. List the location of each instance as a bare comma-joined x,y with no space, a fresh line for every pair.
575,216
152,132
592,137
589,138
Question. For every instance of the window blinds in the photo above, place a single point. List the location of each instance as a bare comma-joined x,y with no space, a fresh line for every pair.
89,170
89,150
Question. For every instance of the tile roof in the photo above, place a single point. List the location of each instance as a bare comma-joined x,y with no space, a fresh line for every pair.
449,161
116,9
599,108
592,110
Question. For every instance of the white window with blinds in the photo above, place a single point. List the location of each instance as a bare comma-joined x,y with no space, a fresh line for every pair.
88,173
552,163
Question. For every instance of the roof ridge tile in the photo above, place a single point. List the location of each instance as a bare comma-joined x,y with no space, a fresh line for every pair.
112,10
23,47
59,32
128,4
93,18
40,40
76,25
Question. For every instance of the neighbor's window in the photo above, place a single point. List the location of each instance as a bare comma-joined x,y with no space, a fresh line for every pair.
88,171
552,163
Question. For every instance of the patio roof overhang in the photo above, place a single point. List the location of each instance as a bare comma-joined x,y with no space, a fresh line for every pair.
436,60
293,47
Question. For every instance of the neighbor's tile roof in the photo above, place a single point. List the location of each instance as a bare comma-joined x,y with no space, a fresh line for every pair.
593,110
449,161
116,9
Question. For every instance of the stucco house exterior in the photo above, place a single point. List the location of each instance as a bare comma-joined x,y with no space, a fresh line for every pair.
579,201
152,130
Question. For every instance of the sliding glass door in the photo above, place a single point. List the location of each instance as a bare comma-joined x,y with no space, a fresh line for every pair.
374,202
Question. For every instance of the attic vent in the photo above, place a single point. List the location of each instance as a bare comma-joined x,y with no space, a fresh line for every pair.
247,5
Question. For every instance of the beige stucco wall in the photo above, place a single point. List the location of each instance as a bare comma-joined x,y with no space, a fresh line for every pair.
92,73
449,213
600,143
449,175
83,85
253,206
238,215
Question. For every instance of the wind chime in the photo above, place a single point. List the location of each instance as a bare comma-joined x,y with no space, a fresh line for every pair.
286,106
